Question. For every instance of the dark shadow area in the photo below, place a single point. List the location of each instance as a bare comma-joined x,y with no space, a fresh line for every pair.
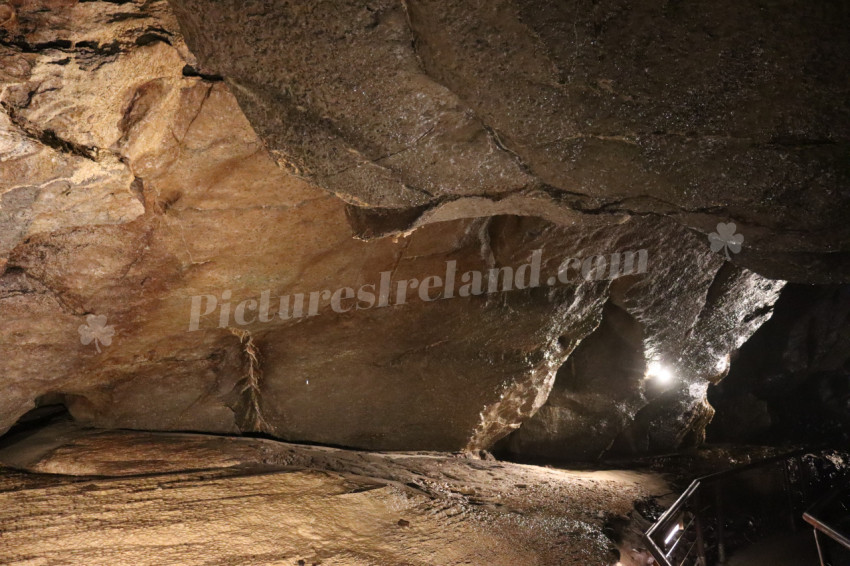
790,383
590,412
49,409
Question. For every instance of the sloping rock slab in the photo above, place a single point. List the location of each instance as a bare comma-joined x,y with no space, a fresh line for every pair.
328,506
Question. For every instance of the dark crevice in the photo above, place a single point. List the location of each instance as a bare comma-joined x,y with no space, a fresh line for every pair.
60,44
369,223
49,137
48,409
110,49
124,16
151,37
190,71
716,290
793,141
102,49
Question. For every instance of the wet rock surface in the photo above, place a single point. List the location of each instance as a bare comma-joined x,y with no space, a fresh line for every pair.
267,502
604,403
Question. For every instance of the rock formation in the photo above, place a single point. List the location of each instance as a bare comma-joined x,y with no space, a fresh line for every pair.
703,113
263,502
402,138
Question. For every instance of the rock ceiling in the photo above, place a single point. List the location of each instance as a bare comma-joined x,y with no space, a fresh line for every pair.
153,152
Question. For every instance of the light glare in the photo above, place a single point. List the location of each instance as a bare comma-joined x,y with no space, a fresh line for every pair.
672,533
657,372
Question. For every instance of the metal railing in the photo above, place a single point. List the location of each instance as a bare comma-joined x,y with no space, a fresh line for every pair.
824,519
680,536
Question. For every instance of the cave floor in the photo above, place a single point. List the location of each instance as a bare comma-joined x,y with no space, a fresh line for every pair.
81,496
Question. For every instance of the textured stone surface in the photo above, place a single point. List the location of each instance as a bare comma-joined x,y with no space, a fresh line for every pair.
263,502
219,216
603,404
701,112
68,75
168,193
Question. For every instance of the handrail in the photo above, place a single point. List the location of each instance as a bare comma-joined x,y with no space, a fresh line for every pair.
757,464
679,507
827,530
813,517
663,522
674,509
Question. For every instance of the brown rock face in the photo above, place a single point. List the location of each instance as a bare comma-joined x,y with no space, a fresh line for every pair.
702,112
134,188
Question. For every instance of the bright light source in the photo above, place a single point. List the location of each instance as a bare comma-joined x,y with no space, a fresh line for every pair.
672,533
657,372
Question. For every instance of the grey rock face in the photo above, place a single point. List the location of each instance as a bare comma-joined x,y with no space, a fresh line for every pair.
704,112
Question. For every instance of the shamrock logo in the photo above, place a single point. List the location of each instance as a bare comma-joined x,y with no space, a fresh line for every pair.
95,330
726,239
